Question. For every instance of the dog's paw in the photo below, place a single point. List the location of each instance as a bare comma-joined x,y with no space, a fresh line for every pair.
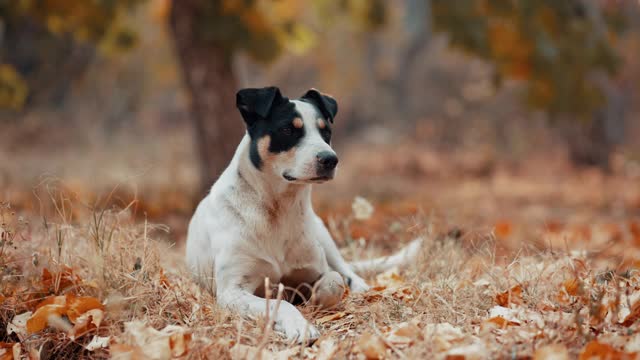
298,331
358,285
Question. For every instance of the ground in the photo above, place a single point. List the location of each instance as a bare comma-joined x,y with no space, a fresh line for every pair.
517,262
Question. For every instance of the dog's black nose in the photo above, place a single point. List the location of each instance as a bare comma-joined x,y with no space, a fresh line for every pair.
327,160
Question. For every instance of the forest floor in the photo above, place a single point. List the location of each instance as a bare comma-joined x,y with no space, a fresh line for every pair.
518,262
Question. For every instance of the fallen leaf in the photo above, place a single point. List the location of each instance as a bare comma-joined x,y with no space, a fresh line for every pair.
327,350
476,350
403,334
85,322
511,296
50,312
56,282
10,351
98,342
598,350
502,322
126,352
371,346
76,306
331,317
552,352
501,314
242,352
18,325
171,341
43,315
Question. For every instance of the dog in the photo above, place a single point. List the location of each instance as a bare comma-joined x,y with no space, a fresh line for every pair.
257,221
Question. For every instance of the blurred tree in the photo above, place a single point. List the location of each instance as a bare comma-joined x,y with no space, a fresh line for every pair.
563,50
45,45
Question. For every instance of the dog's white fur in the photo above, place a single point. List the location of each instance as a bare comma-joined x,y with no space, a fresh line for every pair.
255,224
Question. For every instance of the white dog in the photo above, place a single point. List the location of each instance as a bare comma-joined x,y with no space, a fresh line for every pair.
257,221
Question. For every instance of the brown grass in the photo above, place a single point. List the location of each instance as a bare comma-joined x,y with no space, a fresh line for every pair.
571,300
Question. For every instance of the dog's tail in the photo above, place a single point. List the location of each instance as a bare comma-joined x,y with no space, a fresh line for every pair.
399,259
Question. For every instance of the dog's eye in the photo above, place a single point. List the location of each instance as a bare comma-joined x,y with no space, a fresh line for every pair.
326,135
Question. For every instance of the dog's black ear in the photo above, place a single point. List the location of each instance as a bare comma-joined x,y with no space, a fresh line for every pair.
256,104
327,105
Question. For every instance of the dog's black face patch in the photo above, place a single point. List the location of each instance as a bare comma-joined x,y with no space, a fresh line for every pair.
280,128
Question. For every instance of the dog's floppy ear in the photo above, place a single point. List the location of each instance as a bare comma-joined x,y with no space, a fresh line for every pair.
256,104
327,105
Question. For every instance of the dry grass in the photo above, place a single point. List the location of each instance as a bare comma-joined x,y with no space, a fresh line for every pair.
446,304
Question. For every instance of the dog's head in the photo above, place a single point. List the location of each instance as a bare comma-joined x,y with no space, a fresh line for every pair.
290,139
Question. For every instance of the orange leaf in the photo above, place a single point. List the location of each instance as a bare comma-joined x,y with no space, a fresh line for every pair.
572,286
80,305
40,319
597,350
511,296
56,282
87,321
502,322
7,350
503,229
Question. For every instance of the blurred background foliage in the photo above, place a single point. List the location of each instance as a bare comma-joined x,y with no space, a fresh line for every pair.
144,66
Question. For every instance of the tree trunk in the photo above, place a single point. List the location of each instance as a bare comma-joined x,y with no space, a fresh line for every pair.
211,84
591,144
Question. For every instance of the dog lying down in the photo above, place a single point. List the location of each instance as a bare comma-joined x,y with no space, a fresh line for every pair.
257,222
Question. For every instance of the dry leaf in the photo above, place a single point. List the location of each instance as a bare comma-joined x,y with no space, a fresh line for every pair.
443,335
598,350
44,315
126,352
98,342
502,322
552,352
331,317
371,346
403,334
87,321
76,306
327,350
56,282
10,351
18,325
506,314
51,310
511,296
157,344
476,350
242,352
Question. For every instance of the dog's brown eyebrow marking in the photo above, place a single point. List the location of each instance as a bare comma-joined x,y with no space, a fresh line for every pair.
321,124
297,123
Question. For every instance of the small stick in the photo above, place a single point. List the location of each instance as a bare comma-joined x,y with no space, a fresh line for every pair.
271,320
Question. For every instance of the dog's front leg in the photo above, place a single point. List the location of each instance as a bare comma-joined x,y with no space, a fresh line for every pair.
335,259
232,293
288,319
